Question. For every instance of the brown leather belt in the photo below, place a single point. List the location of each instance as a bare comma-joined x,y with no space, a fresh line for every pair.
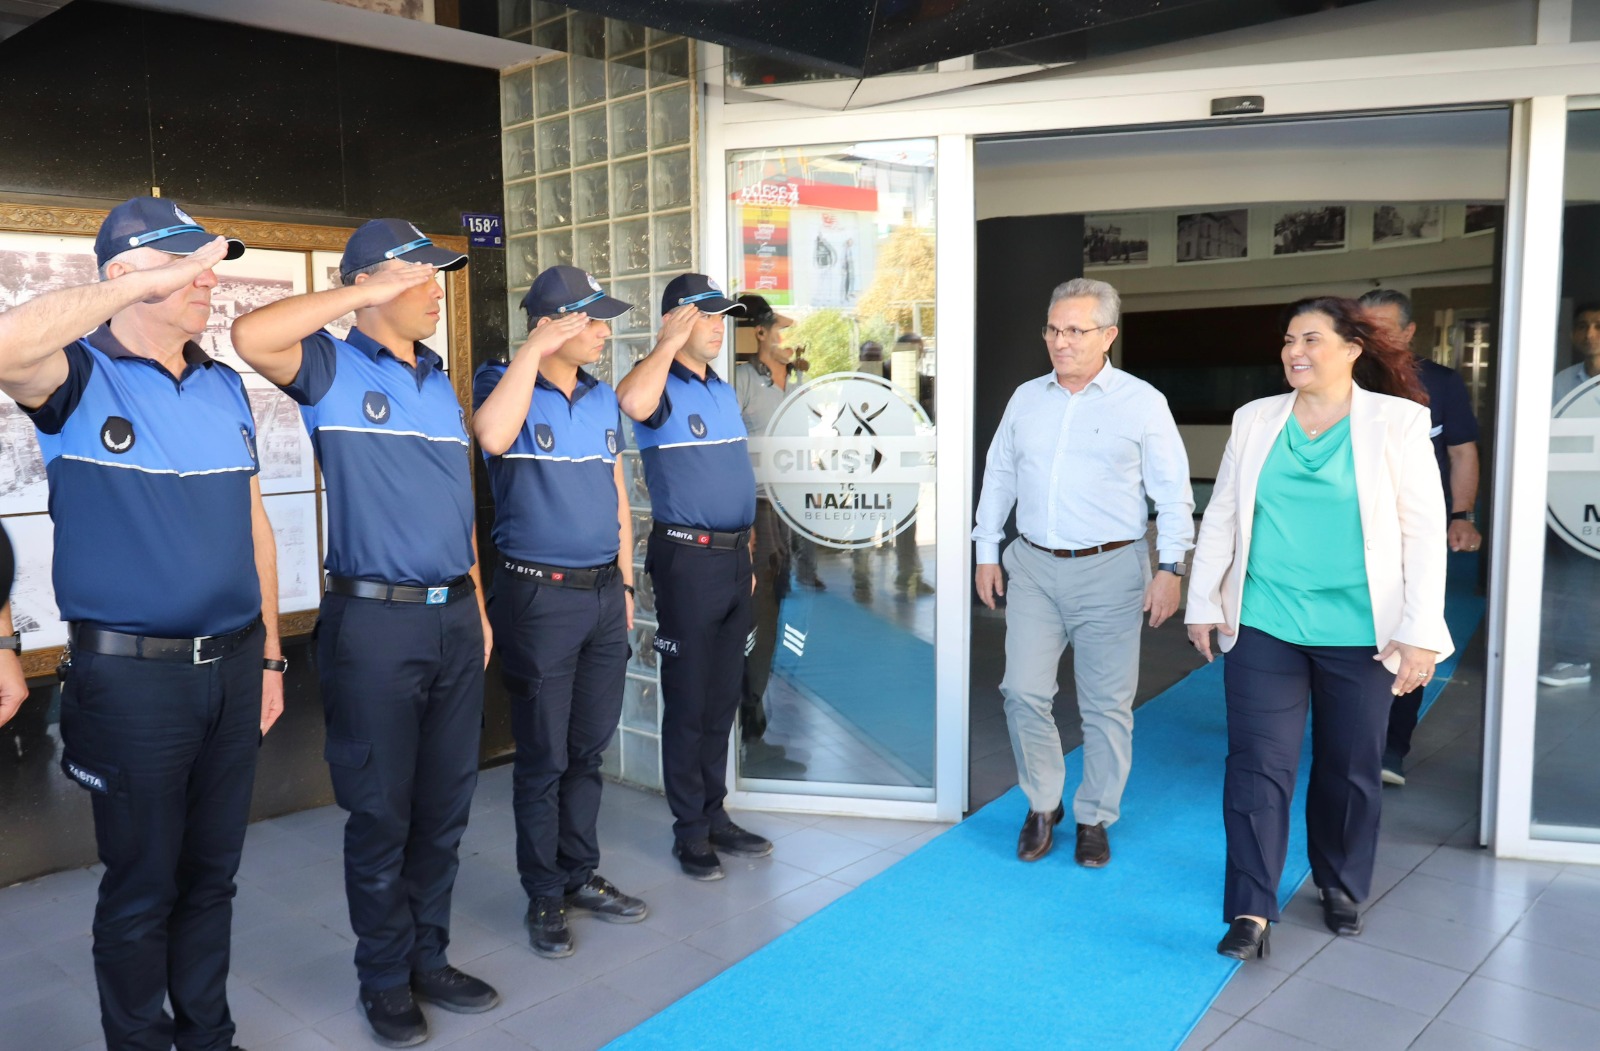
1082,552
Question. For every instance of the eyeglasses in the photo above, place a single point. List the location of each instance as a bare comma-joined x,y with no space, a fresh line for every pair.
1072,333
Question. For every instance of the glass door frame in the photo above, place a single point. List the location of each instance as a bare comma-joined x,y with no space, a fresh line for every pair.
1531,333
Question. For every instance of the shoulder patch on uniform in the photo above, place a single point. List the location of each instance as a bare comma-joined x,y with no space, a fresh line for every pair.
611,440
116,434
375,406
249,443
697,426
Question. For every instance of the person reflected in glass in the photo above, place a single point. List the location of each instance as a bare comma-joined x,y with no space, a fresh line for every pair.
1572,575
1321,564
761,385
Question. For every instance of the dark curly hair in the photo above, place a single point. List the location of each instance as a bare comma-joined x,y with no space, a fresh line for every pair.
1386,364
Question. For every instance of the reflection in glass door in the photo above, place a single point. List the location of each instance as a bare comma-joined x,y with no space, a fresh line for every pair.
836,377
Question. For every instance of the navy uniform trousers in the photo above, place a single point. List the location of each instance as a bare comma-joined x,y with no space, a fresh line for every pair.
704,619
564,656
167,750
1269,684
773,558
402,696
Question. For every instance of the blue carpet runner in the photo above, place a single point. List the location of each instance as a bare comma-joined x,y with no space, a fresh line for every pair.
960,946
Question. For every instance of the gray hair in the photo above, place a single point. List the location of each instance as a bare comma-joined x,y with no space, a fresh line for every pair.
1108,304
1388,297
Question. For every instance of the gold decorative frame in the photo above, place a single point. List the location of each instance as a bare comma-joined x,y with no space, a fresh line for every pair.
294,237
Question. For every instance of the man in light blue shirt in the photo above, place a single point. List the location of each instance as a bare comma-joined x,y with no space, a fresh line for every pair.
1077,452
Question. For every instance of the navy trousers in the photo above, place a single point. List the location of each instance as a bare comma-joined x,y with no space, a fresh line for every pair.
1269,684
704,616
402,697
564,657
168,752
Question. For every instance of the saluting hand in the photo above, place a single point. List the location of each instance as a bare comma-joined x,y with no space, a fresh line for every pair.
676,328
548,337
181,271
387,285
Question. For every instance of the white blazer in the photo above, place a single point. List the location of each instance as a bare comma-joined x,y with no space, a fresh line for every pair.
1402,518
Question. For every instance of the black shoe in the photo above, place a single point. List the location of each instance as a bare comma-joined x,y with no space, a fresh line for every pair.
547,928
760,759
1339,912
1094,850
1246,938
599,898
394,1016
697,859
454,990
1038,833
731,839
1394,769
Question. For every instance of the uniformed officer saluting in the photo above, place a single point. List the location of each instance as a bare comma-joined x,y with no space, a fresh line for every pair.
402,638
703,492
165,571
563,600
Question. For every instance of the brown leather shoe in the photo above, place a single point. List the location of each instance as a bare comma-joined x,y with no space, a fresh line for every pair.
1093,849
1039,833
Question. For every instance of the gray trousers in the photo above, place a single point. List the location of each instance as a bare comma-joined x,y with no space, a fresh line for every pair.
1095,604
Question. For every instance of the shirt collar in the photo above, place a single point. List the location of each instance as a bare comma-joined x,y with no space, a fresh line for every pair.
372,348
103,341
1106,379
585,384
683,372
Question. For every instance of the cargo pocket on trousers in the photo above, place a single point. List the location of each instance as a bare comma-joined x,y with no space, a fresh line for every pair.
96,777
346,759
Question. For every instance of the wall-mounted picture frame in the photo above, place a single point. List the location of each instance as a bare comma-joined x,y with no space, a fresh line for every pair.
43,248
1394,225
1116,240
1300,229
1213,237
1482,219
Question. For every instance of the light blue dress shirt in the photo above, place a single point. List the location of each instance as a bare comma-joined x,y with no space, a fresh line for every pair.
1078,468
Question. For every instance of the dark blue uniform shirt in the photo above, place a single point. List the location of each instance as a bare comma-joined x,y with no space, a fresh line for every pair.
555,489
1453,422
392,442
150,492
696,460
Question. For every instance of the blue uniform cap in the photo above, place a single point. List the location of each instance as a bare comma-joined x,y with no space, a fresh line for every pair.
699,290
569,290
379,240
153,222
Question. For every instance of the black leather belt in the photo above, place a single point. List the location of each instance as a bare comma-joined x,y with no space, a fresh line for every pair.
201,650
442,595
1082,552
694,536
591,579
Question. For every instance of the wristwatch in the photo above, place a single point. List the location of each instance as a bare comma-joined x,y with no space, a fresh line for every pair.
269,664
11,642
1464,516
628,588
1177,569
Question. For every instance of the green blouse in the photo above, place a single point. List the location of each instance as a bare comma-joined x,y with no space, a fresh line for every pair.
1306,581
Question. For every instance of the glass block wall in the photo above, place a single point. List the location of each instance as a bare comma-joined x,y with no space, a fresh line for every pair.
601,172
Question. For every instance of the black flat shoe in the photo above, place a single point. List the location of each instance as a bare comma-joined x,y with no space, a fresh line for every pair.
1245,939
1339,911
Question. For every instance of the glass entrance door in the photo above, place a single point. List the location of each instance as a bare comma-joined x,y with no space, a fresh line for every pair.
836,371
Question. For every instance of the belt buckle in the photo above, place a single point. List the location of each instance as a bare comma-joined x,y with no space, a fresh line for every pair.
438,596
198,646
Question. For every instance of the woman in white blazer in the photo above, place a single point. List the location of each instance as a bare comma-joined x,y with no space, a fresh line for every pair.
1321,563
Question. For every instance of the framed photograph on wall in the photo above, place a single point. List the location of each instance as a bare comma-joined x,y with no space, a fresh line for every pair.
1209,237
44,248
1299,229
1116,240
1406,224
1482,218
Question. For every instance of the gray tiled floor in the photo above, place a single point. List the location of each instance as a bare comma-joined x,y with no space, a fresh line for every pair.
1461,952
